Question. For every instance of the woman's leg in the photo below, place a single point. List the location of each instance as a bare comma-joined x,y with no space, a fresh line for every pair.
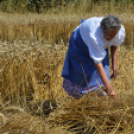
78,92
71,89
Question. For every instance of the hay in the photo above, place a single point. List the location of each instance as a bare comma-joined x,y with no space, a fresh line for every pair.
25,123
94,114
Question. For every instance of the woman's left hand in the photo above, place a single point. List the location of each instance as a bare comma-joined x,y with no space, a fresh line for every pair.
115,74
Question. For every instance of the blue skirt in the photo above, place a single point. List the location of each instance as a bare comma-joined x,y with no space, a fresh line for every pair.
78,67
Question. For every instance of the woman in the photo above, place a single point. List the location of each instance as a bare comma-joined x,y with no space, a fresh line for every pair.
87,62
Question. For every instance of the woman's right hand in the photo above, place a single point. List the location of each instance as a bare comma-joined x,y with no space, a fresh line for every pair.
111,93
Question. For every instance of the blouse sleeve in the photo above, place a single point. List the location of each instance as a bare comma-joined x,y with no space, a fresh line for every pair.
96,50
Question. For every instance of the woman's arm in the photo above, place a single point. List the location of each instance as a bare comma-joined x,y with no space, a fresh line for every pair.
103,76
114,54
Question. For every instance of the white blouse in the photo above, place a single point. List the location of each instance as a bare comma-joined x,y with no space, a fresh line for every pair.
93,37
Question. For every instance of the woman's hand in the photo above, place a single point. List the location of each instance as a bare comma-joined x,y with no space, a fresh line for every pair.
111,93
115,73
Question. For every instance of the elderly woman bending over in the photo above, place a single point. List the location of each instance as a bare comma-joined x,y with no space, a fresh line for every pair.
87,61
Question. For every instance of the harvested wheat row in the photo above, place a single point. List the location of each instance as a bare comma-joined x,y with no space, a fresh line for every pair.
95,115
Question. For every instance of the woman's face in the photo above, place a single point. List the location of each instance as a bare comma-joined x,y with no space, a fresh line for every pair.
109,35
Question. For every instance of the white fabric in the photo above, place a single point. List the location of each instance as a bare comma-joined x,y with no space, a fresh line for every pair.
92,36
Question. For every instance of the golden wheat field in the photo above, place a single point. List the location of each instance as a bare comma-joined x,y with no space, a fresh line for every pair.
32,100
